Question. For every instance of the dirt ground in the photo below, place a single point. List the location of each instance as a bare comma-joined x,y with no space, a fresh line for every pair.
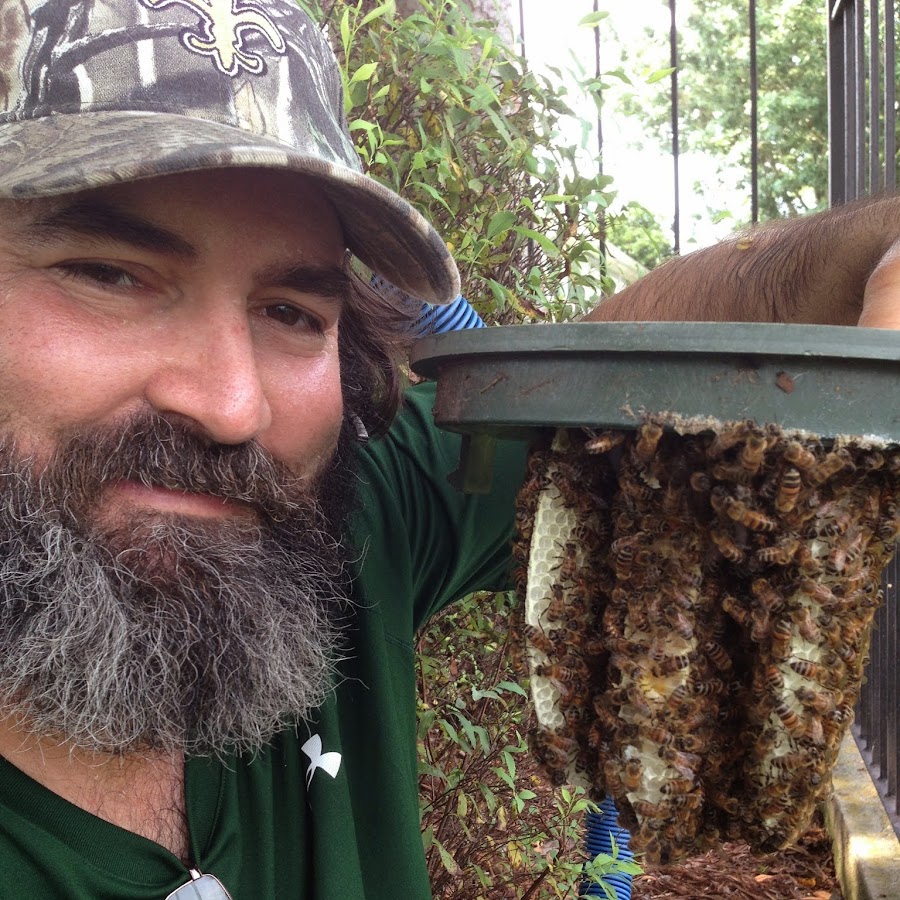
804,872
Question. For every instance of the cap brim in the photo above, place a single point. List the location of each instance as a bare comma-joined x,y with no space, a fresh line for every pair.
61,154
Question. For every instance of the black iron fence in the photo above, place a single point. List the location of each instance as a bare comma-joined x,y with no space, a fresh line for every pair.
862,125
878,721
862,101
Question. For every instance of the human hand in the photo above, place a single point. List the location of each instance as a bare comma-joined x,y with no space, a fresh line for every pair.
881,300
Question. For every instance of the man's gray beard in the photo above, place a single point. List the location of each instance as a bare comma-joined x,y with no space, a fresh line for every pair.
173,633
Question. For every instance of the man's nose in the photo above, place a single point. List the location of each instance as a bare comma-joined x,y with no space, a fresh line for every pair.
209,374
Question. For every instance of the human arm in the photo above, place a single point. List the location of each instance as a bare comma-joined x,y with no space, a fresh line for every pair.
840,267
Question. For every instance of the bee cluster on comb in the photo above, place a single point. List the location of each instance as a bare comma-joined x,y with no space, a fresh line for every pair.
694,615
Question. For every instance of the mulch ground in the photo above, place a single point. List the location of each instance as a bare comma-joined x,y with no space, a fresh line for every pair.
804,872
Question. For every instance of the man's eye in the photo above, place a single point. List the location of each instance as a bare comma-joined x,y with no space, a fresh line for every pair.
293,317
100,273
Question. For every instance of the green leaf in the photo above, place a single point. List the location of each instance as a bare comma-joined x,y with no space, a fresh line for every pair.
362,124
541,240
462,805
447,860
511,686
364,72
433,193
479,694
593,19
345,29
378,11
500,223
659,74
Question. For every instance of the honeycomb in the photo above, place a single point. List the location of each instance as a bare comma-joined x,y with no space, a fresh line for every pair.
695,615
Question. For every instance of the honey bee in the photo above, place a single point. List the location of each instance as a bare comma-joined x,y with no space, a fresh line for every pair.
657,734
671,664
724,471
781,640
524,523
631,775
647,810
604,442
557,672
792,722
631,487
815,731
613,778
538,640
818,593
889,530
780,553
644,448
568,563
717,655
708,688
833,463
774,678
700,482
730,805
762,624
751,455
796,454
686,764
806,561
788,490
727,438
835,525
767,596
805,624
790,762
736,610
804,667
749,518
846,653
821,701
556,608
678,786
726,546
685,801
689,743
679,622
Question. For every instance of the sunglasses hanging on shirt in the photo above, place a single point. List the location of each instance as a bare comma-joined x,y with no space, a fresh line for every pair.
200,887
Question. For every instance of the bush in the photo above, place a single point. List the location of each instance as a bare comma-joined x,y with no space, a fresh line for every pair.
445,113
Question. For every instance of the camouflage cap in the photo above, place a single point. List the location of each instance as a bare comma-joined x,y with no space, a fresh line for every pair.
94,92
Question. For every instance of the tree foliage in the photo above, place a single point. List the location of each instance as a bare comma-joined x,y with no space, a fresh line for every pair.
636,231
714,98
447,114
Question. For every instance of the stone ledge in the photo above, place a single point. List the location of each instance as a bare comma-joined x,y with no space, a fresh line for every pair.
866,849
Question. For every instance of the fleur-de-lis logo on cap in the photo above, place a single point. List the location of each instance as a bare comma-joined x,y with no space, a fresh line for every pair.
224,24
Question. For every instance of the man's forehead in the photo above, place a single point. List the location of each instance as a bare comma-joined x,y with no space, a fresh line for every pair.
165,213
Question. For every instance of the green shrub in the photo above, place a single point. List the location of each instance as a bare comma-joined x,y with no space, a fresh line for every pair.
445,113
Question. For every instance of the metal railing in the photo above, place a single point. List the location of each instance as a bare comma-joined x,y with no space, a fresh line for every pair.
877,727
862,137
862,117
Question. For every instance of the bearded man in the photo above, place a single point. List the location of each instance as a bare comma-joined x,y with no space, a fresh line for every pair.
209,583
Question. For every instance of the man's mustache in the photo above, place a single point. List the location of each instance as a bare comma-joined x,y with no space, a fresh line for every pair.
158,452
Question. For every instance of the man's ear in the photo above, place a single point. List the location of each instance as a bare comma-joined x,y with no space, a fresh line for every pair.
881,300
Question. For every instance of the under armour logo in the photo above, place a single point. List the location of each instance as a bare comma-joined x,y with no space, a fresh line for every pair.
327,762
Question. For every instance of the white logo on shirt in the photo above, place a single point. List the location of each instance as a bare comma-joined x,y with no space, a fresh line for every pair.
328,762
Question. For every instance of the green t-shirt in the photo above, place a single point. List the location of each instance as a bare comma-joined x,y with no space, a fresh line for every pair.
254,823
